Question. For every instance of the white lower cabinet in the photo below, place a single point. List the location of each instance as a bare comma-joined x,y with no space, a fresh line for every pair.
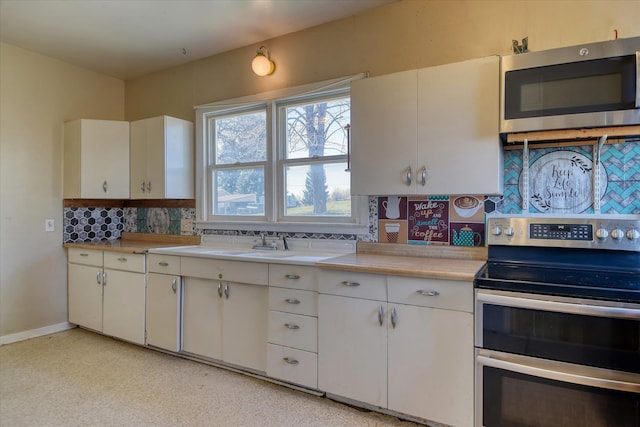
352,348
411,353
293,325
164,290
106,292
222,318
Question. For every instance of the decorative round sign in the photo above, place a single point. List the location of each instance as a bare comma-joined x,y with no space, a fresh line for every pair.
562,182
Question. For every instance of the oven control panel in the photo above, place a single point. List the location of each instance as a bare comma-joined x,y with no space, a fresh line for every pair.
600,233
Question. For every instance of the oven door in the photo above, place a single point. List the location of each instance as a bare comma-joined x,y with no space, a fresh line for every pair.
555,361
520,391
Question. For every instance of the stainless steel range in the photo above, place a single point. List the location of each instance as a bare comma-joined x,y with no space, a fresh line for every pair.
558,323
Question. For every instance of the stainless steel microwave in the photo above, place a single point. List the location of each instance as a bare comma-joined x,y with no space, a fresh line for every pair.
591,85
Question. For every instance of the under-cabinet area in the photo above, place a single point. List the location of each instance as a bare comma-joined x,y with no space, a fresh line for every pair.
361,329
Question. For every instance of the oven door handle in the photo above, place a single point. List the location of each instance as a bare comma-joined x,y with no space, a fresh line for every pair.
563,307
566,377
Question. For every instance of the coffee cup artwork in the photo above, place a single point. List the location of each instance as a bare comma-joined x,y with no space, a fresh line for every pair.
467,206
392,230
392,207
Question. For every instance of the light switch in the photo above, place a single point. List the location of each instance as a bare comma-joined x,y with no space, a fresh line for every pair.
49,225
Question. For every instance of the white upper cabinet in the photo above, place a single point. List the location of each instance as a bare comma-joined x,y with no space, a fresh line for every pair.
428,131
162,158
384,134
96,159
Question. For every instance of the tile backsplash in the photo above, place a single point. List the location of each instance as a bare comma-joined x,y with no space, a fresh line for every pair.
560,182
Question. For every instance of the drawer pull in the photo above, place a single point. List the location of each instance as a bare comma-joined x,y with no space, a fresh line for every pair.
290,360
292,301
291,326
352,284
292,276
163,264
84,254
428,293
122,259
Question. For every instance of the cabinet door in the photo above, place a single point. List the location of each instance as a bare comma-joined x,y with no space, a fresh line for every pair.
85,296
458,128
352,349
124,305
202,318
384,134
155,156
177,166
105,159
431,364
245,325
163,311
138,152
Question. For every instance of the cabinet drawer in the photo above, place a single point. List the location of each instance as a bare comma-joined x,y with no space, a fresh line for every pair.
293,276
291,365
254,273
124,261
357,285
163,264
293,301
85,256
293,330
447,294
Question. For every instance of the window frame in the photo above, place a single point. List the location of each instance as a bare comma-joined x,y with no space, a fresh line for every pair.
275,190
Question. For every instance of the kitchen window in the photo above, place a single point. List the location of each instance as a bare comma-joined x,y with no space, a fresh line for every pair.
280,165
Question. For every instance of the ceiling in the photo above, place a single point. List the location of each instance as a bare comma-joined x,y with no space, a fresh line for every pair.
131,38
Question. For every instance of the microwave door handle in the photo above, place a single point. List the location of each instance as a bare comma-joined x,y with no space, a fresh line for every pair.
638,79
573,378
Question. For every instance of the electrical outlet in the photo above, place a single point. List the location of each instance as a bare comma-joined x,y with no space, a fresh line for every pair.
186,226
49,225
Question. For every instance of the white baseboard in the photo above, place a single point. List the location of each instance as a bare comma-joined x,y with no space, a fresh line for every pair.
34,333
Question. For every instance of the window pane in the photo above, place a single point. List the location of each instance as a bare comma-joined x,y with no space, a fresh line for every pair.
239,192
317,129
318,190
241,138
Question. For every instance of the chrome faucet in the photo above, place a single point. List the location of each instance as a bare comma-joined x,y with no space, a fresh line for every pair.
263,244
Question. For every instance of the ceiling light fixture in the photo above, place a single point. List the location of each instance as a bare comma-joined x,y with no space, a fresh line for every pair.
262,64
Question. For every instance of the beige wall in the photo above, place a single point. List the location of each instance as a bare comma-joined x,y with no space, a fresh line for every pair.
404,35
37,94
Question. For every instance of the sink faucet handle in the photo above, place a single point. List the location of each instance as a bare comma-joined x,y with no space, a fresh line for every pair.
285,243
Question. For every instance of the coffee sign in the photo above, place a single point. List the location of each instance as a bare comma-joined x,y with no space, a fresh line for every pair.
428,221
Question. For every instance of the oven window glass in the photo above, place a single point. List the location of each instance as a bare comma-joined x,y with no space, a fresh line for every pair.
581,87
585,340
512,399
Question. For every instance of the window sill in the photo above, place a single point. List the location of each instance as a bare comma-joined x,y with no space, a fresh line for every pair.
289,227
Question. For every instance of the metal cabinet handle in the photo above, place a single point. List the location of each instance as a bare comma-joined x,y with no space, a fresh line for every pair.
381,315
428,293
226,291
220,289
98,274
394,317
423,176
290,360
292,276
142,187
105,186
104,278
408,177
291,326
163,264
174,285
122,259
352,284
148,186
292,301
84,254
